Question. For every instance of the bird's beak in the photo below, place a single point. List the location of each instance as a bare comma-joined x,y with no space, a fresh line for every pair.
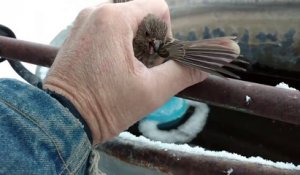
156,44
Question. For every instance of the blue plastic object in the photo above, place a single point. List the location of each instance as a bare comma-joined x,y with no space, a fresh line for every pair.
174,109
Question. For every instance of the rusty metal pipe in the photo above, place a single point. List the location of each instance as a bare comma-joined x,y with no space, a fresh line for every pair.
266,101
180,162
30,52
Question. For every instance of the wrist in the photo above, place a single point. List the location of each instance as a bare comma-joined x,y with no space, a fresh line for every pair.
69,105
88,107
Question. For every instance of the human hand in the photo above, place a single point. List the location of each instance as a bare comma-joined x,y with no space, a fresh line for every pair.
97,71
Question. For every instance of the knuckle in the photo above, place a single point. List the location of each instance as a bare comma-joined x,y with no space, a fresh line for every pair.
107,11
112,15
85,12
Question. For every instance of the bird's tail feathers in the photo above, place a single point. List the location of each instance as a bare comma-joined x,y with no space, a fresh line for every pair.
210,55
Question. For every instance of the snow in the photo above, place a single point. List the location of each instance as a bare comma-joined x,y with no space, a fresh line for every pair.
229,171
184,133
201,151
285,86
248,99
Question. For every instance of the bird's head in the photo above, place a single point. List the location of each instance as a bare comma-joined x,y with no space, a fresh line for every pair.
151,35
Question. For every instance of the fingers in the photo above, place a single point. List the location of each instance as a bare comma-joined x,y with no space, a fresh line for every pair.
170,78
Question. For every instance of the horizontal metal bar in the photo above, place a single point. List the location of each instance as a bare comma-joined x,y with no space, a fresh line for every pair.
30,52
261,100
179,162
265,101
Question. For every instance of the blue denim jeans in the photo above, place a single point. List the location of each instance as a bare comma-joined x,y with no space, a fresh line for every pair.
37,134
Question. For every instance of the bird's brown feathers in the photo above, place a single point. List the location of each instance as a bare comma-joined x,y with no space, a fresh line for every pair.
150,28
210,55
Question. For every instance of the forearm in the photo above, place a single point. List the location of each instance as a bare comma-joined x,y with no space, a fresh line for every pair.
38,132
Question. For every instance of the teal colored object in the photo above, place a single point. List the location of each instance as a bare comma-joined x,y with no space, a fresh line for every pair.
175,108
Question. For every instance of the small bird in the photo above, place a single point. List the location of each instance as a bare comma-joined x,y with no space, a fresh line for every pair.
152,47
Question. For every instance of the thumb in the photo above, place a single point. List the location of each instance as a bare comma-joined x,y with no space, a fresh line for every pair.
170,78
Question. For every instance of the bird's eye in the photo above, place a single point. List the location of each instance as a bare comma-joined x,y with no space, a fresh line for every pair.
147,34
163,53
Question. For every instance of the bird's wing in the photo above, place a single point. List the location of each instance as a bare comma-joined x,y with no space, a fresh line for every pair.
210,55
